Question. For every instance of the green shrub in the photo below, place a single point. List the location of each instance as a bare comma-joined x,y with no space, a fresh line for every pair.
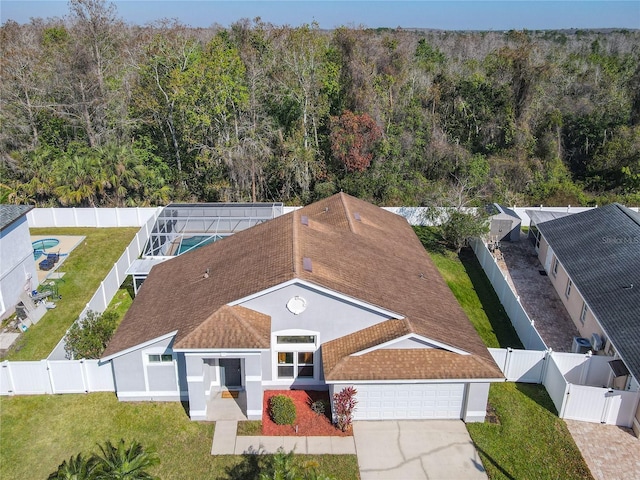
282,410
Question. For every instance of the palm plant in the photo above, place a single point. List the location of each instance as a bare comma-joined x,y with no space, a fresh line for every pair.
124,462
76,468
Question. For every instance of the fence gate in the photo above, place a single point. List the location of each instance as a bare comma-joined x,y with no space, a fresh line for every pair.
600,405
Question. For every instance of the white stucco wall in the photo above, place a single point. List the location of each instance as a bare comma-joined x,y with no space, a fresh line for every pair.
17,266
326,316
137,379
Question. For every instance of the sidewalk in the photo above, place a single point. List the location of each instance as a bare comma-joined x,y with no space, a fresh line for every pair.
226,442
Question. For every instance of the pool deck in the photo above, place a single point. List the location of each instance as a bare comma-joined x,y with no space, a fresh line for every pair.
66,245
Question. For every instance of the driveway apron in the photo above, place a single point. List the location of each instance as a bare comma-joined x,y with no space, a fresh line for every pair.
416,449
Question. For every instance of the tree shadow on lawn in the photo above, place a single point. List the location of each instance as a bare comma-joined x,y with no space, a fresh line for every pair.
538,394
248,468
498,318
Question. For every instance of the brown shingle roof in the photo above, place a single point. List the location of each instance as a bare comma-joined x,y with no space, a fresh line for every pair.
250,329
412,364
377,259
339,363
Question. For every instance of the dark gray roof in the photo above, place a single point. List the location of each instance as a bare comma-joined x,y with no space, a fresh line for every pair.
539,216
496,209
508,211
600,250
11,213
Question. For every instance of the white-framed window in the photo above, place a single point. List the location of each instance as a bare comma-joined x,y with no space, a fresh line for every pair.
583,313
157,358
567,290
296,365
295,354
555,267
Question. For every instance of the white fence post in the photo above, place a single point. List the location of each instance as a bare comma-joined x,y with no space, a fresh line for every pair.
52,384
584,372
507,362
565,400
8,376
545,366
85,376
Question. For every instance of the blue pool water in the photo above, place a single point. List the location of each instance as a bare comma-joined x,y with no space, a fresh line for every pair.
39,246
191,242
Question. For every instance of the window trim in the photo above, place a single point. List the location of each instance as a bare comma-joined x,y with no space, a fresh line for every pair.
296,349
567,290
583,312
161,360
554,270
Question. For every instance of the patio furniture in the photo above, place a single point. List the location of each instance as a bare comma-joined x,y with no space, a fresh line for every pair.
41,295
46,264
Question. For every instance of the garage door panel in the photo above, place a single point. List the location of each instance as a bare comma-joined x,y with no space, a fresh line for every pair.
409,401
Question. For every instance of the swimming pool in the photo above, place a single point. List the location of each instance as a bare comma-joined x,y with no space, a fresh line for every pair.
191,243
40,246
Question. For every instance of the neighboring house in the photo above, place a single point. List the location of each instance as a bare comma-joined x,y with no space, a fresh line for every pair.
337,293
504,224
593,261
17,266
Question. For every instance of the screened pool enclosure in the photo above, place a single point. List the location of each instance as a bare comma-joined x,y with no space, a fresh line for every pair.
183,227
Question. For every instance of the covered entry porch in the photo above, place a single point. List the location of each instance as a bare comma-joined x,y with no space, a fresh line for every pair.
224,385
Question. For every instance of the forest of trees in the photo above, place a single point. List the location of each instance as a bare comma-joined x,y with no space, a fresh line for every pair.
96,112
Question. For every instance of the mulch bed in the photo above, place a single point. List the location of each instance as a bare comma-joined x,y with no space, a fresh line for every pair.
309,422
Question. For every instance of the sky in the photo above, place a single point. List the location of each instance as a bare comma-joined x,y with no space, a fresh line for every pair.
445,15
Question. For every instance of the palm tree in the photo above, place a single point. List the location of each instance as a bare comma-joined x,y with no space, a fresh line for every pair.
77,468
80,179
122,462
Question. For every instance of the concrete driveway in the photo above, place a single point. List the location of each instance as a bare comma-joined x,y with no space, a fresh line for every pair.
416,449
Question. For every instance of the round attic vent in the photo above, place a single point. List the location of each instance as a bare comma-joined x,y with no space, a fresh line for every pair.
296,305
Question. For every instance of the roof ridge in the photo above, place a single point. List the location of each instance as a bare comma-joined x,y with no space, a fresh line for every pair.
347,212
234,311
628,212
295,250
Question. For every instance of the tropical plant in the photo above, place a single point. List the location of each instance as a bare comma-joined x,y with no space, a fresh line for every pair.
124,462
344,402
280,467
76,468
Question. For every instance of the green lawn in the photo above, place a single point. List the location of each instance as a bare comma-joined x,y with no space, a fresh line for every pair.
85,268
472,289
530,441
39,432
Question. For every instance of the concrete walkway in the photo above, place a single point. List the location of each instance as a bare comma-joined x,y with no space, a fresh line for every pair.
226,442
416,449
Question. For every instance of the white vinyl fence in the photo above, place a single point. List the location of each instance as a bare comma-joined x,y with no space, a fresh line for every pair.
576,383
90,217
523,325
47,376
114,279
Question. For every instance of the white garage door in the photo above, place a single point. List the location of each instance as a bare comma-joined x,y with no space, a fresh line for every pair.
409,401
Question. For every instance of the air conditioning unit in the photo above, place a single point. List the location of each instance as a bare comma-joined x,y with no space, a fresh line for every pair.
580,345
596,342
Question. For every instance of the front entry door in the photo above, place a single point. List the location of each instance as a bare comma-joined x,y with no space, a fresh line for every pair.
231,375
